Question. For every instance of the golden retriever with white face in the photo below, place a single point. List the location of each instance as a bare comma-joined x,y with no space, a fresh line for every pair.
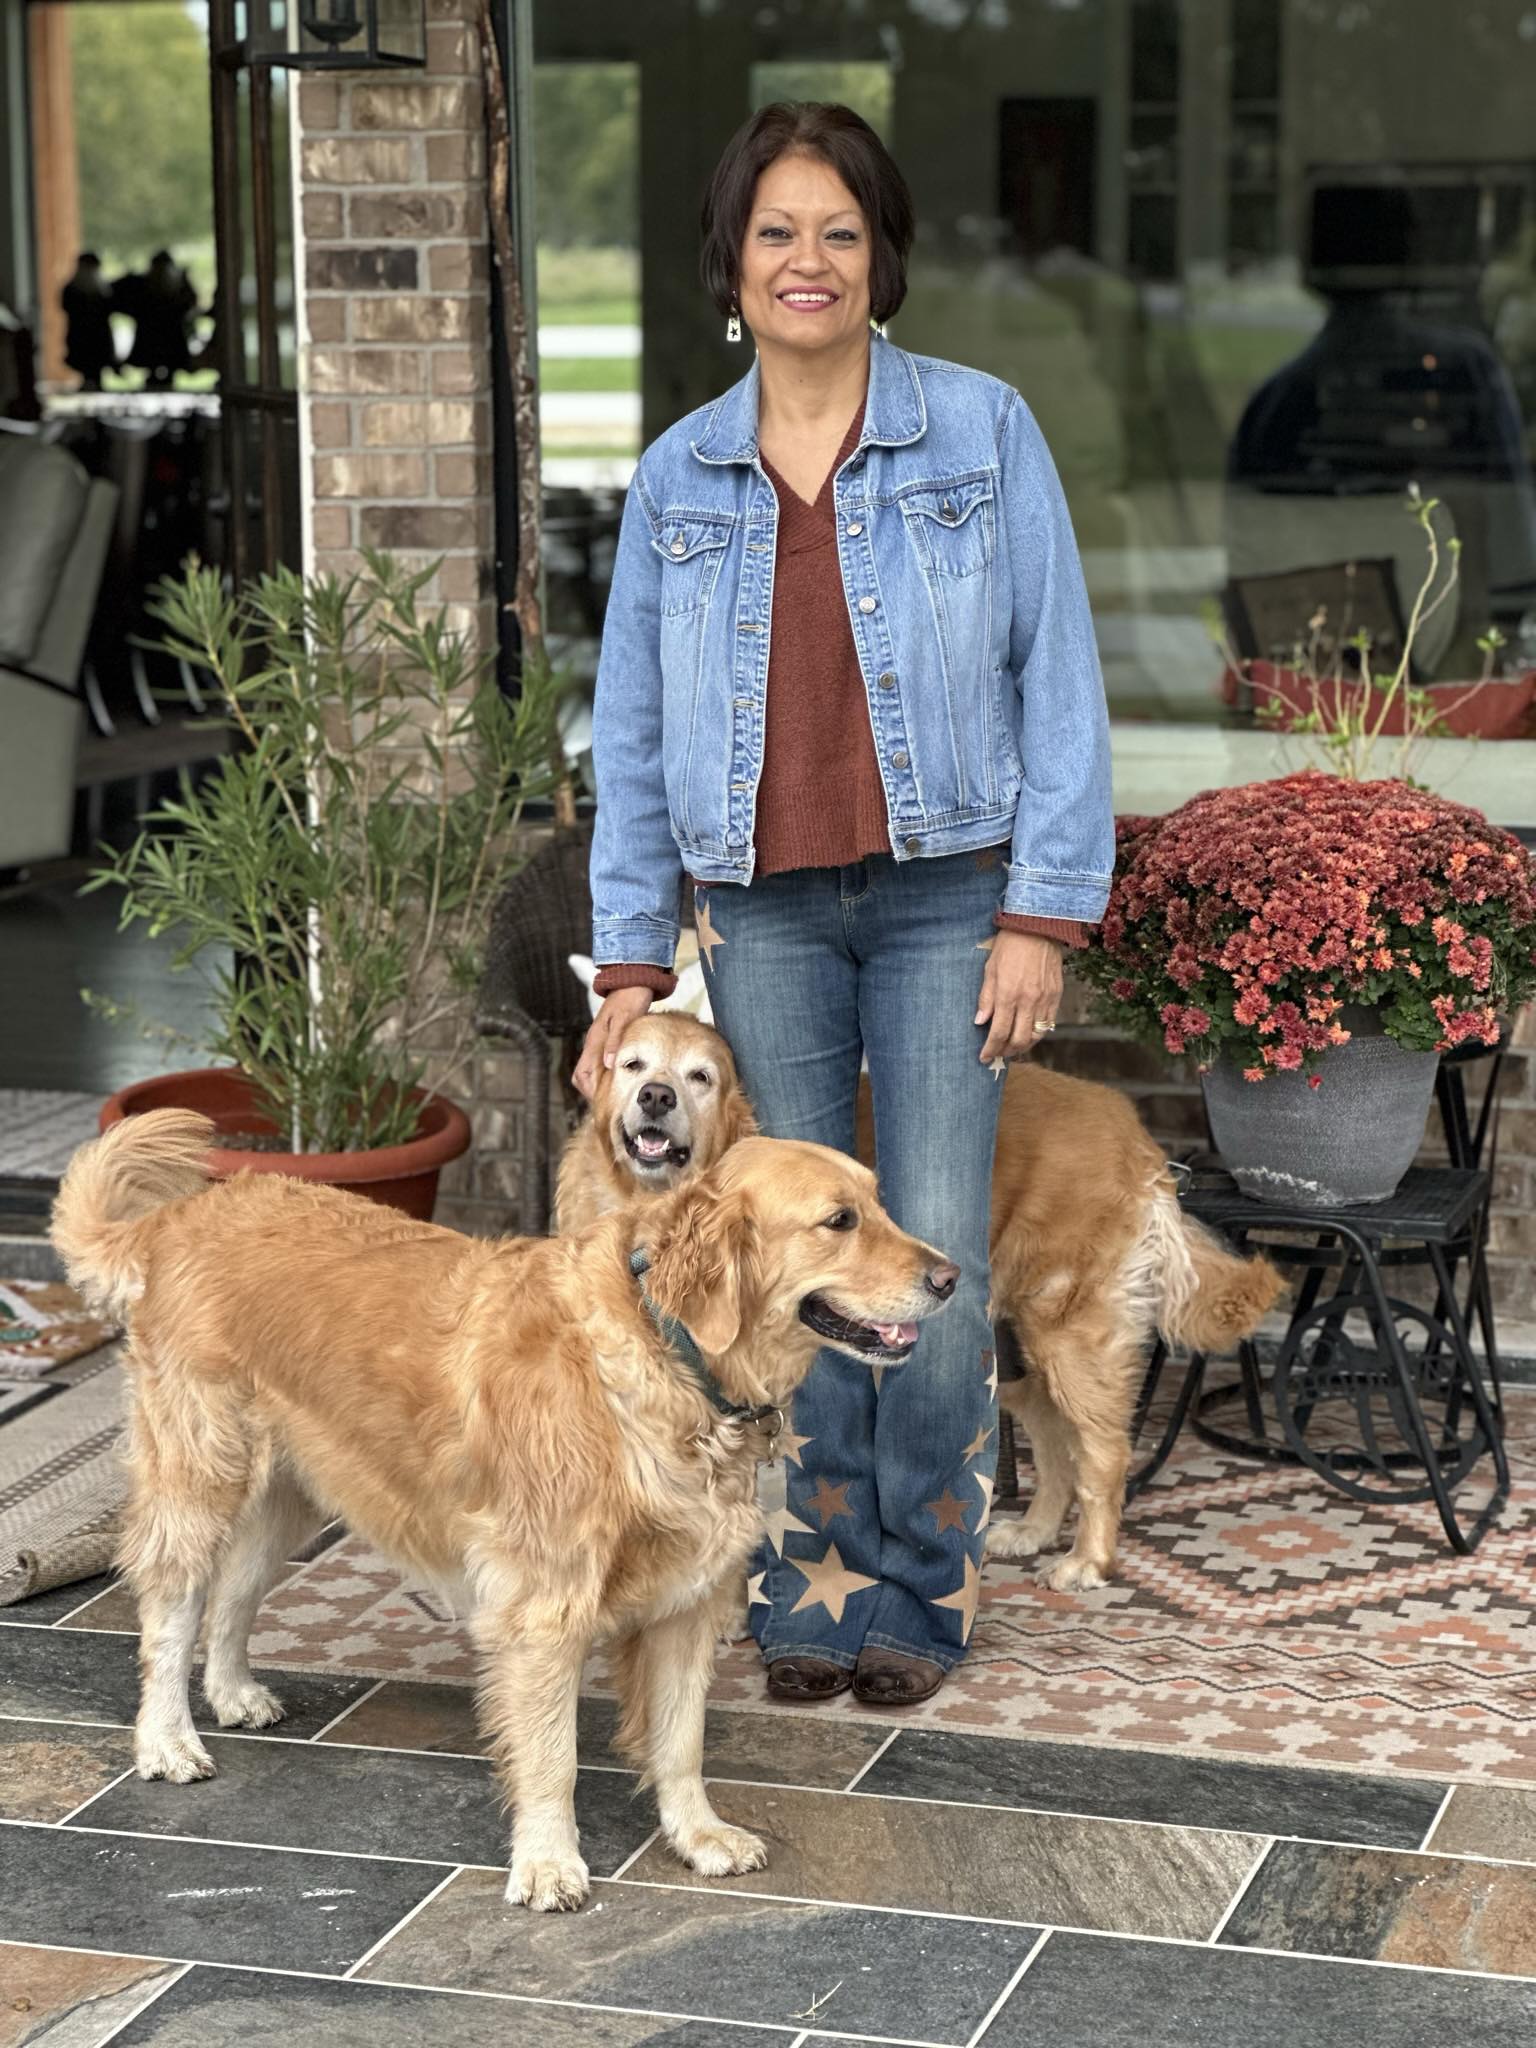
517,1422
669,1106
1091,1257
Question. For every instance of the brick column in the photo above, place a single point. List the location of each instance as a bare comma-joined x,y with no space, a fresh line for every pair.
393,257
395,280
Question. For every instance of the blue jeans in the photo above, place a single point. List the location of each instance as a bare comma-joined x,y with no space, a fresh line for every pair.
889,1472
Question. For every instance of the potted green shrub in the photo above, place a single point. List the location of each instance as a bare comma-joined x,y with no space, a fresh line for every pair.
1316,943
334,874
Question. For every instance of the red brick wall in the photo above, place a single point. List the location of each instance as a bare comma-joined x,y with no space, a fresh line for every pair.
396,286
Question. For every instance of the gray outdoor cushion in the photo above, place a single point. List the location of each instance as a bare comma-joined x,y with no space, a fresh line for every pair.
42,499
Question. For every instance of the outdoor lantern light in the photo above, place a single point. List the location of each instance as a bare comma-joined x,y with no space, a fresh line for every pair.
337,35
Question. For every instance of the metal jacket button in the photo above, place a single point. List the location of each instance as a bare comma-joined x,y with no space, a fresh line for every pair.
866,604
898,760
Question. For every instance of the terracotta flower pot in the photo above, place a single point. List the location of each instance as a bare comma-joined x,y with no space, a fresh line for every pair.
1500,709
402,1176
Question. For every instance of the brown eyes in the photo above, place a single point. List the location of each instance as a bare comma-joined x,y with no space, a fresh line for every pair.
842,1219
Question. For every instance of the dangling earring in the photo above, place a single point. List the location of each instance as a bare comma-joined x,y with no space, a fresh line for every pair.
878,326
733,328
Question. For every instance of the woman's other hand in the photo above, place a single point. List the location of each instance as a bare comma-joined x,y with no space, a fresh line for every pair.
619,1011
1020,994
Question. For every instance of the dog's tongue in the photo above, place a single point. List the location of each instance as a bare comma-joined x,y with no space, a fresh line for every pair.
896,1336
651,1145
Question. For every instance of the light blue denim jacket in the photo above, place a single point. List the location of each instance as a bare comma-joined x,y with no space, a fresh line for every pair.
973,633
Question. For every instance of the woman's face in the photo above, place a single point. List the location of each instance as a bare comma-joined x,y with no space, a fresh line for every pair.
805,260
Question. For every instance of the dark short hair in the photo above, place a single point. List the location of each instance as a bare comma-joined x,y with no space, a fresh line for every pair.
845,141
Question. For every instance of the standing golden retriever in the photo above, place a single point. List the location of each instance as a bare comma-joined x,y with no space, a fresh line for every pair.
1091,1256
521,1423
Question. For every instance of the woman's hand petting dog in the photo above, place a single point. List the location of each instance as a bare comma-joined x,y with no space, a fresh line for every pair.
619,1011
1020,994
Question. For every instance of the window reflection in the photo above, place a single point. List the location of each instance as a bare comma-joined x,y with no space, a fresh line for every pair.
1257,265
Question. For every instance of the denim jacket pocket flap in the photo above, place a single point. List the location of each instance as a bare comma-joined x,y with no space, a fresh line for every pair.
950,525
949,505
684,535
692,547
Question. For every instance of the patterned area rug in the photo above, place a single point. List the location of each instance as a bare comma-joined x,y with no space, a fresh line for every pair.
44,1324
1256,1613
40,1129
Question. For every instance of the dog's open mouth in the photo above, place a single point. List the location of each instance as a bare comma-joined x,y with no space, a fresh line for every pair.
651,1149
880,1341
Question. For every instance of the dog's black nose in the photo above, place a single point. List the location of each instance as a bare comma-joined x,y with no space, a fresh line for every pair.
657,1099
941,1280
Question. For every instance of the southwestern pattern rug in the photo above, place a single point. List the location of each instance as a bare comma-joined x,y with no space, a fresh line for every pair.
1257,1613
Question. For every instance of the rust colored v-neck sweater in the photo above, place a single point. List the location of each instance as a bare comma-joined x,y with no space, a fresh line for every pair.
820,799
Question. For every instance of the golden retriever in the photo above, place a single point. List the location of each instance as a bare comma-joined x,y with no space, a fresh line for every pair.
516,1422
670,1105
1091,1256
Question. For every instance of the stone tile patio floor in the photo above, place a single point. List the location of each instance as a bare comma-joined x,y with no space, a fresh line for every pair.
340,1882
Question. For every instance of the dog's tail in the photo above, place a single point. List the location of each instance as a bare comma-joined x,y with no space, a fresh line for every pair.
1204,1295
112,1184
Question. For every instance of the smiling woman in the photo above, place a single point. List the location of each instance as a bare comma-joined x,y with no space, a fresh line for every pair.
848,685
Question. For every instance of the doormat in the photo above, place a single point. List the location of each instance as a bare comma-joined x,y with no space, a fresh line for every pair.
17,1396
62,1485
41,1129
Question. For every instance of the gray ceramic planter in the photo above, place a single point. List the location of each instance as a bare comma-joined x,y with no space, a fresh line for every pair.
1351,1140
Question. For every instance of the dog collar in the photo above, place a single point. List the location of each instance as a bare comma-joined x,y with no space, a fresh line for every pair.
680,1343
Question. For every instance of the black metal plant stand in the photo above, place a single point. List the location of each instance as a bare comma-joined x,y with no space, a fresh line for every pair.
1397,1417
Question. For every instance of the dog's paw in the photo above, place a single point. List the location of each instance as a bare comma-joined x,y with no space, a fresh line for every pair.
245,1706
1073,1574
178,1759
1012,1537
735,1627
547,1884
722,1851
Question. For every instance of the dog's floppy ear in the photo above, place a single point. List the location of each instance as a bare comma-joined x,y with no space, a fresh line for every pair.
736,1118
703,1265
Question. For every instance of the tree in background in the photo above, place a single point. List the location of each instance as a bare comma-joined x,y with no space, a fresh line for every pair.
867,88
586,146
143,126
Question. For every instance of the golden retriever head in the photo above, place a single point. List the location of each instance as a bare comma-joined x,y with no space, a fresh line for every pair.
781,1249
671,1104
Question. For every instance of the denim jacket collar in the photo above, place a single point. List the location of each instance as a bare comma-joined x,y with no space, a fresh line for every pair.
894,412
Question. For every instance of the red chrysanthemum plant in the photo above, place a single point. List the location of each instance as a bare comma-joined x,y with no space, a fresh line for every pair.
1243,925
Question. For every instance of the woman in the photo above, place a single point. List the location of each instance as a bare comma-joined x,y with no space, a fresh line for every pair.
849,687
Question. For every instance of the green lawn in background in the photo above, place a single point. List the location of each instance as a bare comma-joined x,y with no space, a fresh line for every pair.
555,311
589,287
589,373
590,451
